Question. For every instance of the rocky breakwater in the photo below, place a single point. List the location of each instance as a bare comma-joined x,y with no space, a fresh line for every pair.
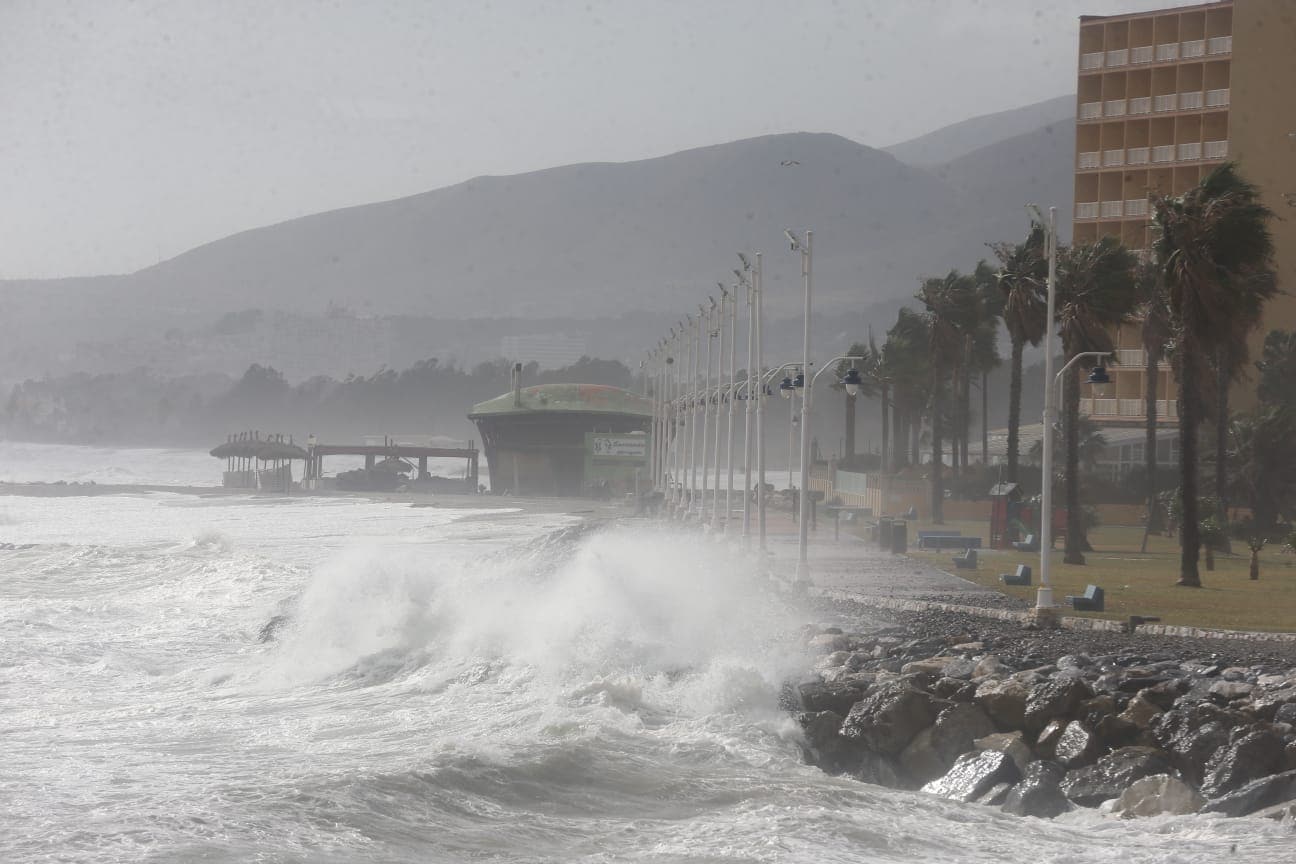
1134,733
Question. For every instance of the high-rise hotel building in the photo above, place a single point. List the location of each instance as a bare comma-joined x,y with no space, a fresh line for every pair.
1164,97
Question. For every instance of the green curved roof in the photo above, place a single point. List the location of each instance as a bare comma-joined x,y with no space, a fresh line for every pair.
574,398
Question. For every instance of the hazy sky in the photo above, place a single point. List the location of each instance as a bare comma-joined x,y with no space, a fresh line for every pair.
133,131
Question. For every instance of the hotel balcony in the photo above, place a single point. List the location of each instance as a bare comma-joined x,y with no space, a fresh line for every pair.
1217,98
1091,159
1165,102
1190,100
1163,153
1113,158
1092,60
1128,409
1167,51
1086,210
1136,207
1138,156
1119,57
1140,105
1091,110
1189,152
1215,150
1219,45
1112,209
1114,108
1193,48
1142,54
1130,358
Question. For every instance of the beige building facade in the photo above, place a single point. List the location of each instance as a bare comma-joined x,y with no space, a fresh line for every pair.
1163,98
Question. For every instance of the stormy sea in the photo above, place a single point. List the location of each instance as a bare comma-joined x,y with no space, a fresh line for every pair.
318,679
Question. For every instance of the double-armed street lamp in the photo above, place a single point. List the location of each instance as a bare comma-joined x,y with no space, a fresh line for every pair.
751,277
806,248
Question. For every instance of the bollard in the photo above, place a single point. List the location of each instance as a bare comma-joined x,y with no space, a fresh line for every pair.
884,532
899,537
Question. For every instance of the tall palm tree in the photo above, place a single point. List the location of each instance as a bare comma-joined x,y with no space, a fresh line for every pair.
950,304
1095,293
1153,318
1264,467
1216,257
985,341
1022,278
907,358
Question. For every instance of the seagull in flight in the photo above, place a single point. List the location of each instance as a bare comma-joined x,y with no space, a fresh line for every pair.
786,162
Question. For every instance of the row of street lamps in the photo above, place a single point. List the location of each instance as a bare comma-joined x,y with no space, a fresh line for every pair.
682,391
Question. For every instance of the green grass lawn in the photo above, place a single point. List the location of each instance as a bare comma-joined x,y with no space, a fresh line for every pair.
1137,583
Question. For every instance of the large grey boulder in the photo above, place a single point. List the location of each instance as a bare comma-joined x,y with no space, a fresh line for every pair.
825,745
1055,698
1266,705
1189,741
920,761
956,728
1012,743
1141,711
1004,700
1256,795
973,774
888,718
1157,794
1077,745
879,770
1039,792
1256,754
1113,774
837,696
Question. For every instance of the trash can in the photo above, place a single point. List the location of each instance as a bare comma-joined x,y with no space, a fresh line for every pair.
884,532
899,537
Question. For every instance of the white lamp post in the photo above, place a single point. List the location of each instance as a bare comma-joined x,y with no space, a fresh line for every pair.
733,383
707,317
806,248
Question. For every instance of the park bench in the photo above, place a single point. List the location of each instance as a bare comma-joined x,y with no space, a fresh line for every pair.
1021,576
1090,601
1030,544
944,533
966,561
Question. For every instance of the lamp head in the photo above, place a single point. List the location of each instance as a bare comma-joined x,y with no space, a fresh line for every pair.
851,382
1099,378
743,258
792,239
786,387
799,381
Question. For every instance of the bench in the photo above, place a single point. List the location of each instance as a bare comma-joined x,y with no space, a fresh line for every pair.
1030,544
949,542
1090,601
923,534
966,561
1022,576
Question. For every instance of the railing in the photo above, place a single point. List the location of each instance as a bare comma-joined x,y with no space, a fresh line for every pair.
1192,99
1165,102
1090,159
1119,57
1163,153
1168,51
1090,110
1092,60
1132,357
1112,209
1140,105
1190,151
1215,149
1113,158
1219,45
1136,207
1167,408
1142,54
1217,98
1087,210
1130,407
1193,48
1114,108
1137,155
1104,406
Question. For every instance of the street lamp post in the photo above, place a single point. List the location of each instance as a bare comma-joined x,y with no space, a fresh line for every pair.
752,372
806,248
720,359
706,315
733,382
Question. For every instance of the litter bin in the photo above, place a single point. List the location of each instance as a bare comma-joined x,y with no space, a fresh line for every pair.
899,537
884,532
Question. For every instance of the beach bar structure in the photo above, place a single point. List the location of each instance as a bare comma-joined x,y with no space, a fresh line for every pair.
565,440
253,462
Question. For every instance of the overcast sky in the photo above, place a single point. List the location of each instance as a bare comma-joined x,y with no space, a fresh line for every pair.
133,131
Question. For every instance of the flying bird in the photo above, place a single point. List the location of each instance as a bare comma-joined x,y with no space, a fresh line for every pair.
786,162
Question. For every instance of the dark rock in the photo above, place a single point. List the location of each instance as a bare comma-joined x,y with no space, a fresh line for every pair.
879,770
1256,754
1256,795
1113,774
1039,792
1004,700
889,718
1074,661
1046,744
973,774
1077,746
1165,693
1227,691
1052,699
1267,705
956,728
838,696
1191,737
954,690
1091,711
1286,713
825,745
1141,711
1012,743
920,761
995,795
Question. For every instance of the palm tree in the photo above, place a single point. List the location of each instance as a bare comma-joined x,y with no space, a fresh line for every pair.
1095,293
1264,467
1215,254
906,360
1153,317
950,302
985,341
867,388
1022,277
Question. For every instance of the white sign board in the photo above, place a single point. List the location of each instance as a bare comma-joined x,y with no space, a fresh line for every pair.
629,446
